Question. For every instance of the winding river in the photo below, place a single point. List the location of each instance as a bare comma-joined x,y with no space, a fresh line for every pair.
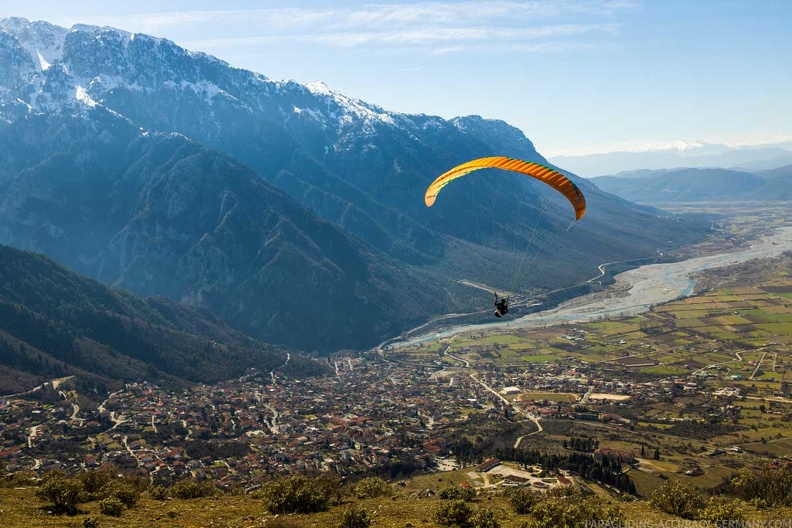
635,291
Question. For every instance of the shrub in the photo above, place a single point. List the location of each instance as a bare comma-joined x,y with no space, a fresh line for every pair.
722,511
457,493
192,489
122,491
484,518
111,506
771,486
571,513
522,500
158,492
95,480
370,488
90,522
65,494
456,513
678,498
22,479
356,517
299,494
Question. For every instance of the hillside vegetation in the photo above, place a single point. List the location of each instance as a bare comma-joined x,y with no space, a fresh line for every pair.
55,323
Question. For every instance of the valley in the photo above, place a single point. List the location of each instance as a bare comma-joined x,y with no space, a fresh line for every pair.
232,301
705,373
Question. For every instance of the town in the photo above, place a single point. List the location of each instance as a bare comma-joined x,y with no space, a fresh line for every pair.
395,413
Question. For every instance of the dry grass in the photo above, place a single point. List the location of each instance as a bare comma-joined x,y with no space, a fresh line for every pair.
20,508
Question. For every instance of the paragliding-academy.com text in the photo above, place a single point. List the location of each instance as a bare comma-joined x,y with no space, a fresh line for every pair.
685,523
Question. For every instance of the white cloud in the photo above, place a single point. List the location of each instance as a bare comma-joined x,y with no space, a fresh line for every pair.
394,22
492,37
374,16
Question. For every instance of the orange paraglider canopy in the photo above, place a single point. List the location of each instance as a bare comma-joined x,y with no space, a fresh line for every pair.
549,176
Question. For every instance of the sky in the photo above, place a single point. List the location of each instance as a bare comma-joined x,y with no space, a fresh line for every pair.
577,77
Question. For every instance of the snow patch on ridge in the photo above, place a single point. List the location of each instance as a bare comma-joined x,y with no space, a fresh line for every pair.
82,95
351,108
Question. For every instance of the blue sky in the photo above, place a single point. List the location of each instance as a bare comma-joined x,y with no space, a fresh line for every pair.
576,76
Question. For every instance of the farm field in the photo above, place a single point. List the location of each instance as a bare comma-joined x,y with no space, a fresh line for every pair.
703,380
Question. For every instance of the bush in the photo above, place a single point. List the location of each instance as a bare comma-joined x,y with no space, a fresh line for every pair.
299,494
456,513
373,487
192,489
722,511
457,493
571,513
356,517
65,494
773,487
122,491
522,501
111,506
158,492
22,479
678,498
90,522
94,480
484,518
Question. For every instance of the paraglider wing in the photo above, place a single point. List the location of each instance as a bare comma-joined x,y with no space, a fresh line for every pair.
549,176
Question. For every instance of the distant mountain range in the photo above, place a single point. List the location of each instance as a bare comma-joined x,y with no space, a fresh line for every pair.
681,154
291,211
697,185
55,323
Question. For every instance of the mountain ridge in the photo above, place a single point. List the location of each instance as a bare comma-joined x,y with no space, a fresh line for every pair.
681,155
357,166
55,322
696,185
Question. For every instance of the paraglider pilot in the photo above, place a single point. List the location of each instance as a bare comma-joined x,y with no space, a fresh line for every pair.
502,306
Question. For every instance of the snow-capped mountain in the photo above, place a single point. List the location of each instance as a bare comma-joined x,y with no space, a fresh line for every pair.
101,131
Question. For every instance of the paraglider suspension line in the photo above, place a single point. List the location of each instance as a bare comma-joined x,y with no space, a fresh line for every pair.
520,266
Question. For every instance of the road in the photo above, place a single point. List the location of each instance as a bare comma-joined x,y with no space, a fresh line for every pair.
758,365
539,429
55,384
272,372
738,360
32,435
635,291
467,363
530,416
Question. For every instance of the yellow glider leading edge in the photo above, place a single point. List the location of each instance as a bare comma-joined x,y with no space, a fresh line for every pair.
549,176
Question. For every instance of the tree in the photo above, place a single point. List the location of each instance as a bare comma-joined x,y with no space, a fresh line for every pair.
111,506
722,511
656,455
457,493
300,494
192,489
522,501
771,486
484,518
65,494
355,517
453,513
571,512
678,498
372,487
